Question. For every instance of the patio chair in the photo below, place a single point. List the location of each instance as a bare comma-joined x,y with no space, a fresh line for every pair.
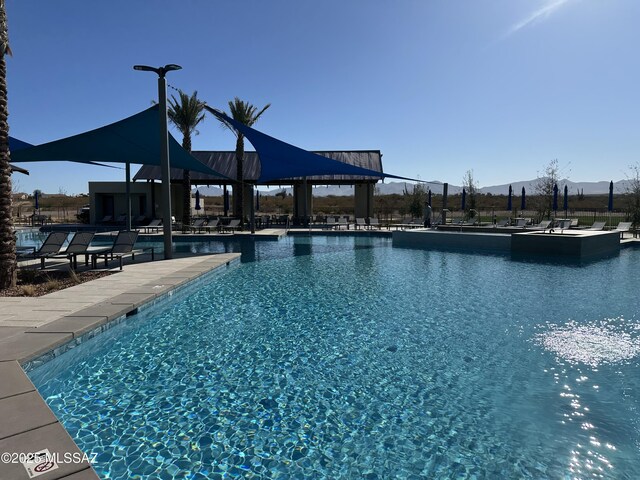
342,222
563,225
360,222
122,246
51,246
107,219
154,225
502,223
373,223
78,245
469,221
623,227
212,225
543,225
198,225
597,226
234,224
331,222
521,222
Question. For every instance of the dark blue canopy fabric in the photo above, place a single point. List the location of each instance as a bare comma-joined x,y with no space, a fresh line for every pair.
135,139
610,204
15,144
280,160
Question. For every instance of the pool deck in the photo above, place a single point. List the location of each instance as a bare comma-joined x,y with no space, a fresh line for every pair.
32,327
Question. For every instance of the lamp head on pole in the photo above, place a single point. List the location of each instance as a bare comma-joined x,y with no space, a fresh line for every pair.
161,71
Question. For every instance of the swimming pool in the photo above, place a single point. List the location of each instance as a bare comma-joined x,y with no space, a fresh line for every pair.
345,358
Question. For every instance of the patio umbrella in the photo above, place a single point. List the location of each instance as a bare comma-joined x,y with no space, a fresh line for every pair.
429,198
464,198
555,197
257,200
226,201
509,200
610,206
565,201
523,201
198,207
37,205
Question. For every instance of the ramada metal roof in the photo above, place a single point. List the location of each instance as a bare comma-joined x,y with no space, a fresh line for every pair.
224,162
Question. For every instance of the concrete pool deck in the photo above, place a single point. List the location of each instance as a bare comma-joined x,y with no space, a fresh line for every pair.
32,327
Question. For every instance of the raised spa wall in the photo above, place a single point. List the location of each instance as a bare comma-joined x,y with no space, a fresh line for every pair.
582,245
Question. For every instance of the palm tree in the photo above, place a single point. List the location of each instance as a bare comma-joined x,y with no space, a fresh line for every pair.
244,113
8,268
186,114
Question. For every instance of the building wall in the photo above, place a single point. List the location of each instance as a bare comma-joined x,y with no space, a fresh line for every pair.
110,198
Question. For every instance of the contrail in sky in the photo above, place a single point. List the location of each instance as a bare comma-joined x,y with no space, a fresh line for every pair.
541,13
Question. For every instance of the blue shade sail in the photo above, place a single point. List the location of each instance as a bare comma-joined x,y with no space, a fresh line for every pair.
15,144
135,139
280,160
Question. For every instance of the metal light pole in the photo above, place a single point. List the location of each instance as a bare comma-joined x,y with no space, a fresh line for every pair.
165,171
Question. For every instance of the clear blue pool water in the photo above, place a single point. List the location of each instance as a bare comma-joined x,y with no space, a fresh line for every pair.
340,358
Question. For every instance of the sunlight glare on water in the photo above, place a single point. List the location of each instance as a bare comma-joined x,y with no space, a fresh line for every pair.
594,344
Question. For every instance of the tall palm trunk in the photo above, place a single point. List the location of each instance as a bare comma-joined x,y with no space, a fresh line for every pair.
8,268
238,194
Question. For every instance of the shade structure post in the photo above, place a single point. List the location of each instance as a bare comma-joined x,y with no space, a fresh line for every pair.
305,206
128,193
253,213
165,169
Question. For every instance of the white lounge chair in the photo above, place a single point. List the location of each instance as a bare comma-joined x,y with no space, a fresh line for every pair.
373,223
623,227
597,226
360,222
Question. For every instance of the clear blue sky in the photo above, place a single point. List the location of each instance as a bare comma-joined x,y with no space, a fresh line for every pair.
500,87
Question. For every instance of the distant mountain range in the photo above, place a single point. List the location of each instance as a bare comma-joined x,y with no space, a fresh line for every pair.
588,188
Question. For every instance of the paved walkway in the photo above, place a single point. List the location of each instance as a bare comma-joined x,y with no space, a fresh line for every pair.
31,327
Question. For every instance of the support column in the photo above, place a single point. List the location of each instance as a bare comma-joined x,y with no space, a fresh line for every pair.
445,192
302,201
363,198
